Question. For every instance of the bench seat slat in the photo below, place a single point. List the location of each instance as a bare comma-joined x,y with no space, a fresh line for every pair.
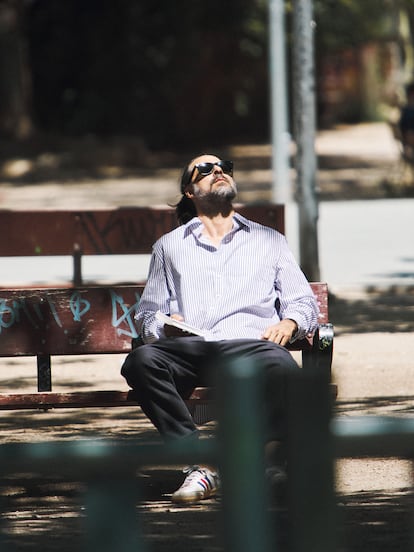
82,399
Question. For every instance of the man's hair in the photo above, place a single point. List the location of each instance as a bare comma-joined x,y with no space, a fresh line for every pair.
186,178
185,208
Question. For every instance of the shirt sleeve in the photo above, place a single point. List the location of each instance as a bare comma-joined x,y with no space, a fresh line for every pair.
156,296
296,298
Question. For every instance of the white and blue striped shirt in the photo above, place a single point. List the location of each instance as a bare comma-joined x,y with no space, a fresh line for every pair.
250,282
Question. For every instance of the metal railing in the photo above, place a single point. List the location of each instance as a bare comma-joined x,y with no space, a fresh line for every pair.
109,468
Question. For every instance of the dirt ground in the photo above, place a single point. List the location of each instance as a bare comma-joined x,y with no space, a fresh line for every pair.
373,362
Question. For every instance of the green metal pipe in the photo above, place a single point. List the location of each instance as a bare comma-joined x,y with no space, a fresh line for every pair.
88,457
241,439
375,436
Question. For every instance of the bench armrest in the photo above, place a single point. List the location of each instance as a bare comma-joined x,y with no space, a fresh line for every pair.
319,356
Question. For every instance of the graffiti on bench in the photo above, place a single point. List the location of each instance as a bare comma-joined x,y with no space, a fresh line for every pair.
41,309
124,230
126,316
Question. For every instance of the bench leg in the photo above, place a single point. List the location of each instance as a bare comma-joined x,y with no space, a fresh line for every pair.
44,373
77,266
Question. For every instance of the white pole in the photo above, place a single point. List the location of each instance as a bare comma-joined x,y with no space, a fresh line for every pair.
281,185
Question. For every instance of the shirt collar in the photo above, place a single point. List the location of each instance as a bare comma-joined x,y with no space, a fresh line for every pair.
239,223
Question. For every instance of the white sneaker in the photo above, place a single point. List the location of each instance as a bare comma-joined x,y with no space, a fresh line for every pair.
200,483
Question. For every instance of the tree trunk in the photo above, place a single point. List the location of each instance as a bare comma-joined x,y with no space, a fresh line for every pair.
15,89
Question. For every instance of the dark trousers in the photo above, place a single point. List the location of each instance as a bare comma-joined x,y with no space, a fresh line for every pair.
163,374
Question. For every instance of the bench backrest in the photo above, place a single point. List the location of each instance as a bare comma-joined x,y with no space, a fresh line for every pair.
79,321
121,231
116,231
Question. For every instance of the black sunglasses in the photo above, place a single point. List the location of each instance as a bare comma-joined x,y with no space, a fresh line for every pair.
207,168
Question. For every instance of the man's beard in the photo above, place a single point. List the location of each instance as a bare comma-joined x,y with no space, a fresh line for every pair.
218,194
218,200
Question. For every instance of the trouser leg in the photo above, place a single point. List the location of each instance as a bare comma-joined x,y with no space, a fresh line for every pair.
162,375
278,363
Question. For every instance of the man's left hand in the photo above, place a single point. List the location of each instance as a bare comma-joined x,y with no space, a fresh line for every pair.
282,332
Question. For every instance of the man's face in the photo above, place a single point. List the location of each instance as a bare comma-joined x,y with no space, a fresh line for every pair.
217,183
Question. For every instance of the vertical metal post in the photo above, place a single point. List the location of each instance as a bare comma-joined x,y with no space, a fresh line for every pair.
4,545
305,129
281,185
77,251
77,265
311,489
44,373
241,434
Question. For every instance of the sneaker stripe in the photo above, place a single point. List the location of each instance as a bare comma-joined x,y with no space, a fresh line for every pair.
205,483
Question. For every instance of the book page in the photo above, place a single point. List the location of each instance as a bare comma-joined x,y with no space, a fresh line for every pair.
165,319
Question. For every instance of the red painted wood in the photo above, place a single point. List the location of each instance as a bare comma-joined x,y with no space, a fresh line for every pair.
67,321
80,321
115,231
84,399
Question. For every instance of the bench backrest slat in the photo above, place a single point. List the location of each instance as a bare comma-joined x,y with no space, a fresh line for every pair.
67,321
129,230
88,320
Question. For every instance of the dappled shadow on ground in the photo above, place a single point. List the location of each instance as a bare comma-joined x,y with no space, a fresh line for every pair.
49,514
396,405
61,159
389,310
347,177
127,424
376,520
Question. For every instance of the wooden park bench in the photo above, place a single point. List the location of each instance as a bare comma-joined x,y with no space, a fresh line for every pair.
86,320
99,320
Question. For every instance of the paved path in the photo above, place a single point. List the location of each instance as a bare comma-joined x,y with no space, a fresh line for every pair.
367,243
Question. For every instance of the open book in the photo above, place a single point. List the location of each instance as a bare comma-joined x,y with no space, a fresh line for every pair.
165,319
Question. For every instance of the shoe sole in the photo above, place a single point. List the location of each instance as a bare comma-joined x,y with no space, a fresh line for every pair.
192,498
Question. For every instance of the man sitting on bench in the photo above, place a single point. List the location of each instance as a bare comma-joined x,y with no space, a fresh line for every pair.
238,283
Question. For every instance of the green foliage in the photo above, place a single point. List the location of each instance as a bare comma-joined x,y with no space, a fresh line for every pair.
181,72
171,72
350,23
